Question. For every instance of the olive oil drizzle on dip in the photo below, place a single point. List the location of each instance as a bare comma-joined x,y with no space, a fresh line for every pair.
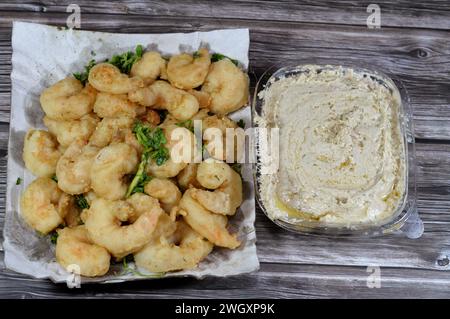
342,154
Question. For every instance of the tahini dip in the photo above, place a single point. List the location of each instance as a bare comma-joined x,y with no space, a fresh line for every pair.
341,149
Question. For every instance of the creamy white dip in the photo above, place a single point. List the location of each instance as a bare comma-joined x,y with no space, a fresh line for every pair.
342,154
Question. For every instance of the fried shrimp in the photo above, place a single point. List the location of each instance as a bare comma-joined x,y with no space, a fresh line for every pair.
182,250
107,78
203,98
188,177
215,136
227,186
182,148
40,153
228,87
67,99
109,168
75,248
68,131
105,217
144,96
110,130
74,167
179,103
210,225
165,191
68,208
114,105
39,205
149,67
186,71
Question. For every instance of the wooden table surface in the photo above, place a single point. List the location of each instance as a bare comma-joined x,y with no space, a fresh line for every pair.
413,43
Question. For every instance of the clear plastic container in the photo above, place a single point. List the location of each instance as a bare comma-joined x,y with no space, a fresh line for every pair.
405,220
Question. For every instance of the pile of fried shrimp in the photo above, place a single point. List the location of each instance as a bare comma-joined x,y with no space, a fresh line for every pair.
107,185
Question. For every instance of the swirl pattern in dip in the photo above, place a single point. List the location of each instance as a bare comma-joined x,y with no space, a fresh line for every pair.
342,154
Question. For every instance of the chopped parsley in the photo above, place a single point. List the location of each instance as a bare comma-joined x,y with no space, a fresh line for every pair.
54,237
18,181
83,76
186,124
241,123
152,140
81,201
218,56
126,60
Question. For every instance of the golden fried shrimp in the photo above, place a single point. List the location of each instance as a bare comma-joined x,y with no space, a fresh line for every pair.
114,105
41,153
68,131
149,67
165,191
150,116
74,167
68,208
109,168
105,217
210,225
203,98
67,99
228,87
110,130
182,148
144,96
215,135
107,78
187,178
179,103
182,250
74,247
186,71
227,186
39,205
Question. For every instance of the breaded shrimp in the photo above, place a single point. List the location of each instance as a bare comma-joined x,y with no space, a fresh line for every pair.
181,144
182,250
74,167
110,130
203,98
165,191
74,247
186,71
41,153
110,166
208,224
39,205
228,87
114,105
216,142
188,177
179,103
68,100
227,186
105,217
107,78
68,131
149,67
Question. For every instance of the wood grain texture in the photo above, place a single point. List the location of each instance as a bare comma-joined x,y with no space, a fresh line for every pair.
413,44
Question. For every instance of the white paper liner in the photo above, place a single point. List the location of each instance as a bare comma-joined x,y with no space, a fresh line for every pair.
43,55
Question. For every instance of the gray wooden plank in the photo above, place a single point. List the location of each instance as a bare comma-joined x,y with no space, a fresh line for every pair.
271,281
420,58
415,14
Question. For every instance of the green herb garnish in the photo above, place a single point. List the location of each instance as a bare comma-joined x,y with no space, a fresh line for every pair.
55,178
54,237
18,181
152,140
126,60
237,168
127,269
83,76
218,56
241,123
81,201
186,124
